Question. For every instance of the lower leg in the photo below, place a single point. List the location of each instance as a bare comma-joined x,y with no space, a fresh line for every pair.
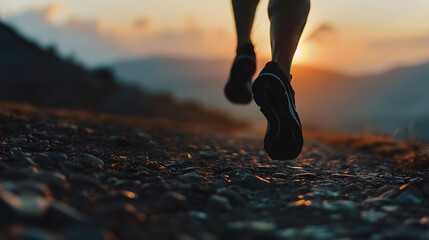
288,18
244,14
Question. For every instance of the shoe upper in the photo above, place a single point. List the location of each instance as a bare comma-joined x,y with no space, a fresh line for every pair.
273,68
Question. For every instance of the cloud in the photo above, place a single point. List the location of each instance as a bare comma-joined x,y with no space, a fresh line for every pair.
94,43
143,22
321,32
51,11
84,40
418,41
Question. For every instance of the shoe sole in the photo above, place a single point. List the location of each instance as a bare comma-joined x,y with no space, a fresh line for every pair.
283,139
230,90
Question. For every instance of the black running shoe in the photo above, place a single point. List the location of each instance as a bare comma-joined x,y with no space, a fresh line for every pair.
274,95
237,89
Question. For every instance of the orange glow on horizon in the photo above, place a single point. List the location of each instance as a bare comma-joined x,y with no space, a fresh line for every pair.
300,54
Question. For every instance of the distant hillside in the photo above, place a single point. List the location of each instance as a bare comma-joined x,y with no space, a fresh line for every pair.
31,74
394,102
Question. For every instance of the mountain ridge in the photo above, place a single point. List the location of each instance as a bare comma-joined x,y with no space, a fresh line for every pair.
325,99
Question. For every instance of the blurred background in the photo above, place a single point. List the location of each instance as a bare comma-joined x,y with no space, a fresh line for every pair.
361,65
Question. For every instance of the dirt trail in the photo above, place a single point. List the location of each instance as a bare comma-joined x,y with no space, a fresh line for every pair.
65,179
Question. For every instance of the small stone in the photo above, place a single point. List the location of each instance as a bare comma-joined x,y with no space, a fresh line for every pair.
172,201
159,187
62,213
254,182
115,209
235,194
372,216
28,188
289,233
144,171
55,180
87,233
160,153
83,180
306,175
15,173
199,215
192,176
118,141
411,195
126,184
189,169
281,175
49,159
35,234
219,204
317,233
339,175
208,155
90,161
256,226
353,188
15,207
390,208
191,147
18,156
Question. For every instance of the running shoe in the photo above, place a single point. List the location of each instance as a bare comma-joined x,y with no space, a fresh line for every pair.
238,88
274,95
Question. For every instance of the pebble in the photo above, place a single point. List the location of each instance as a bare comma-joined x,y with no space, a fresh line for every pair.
199,215
219,204
61,213
16,207
372,216
172,200
160,153
115,209
254,225
90,161
235,194
30,188
339,175
118,141
411,196
192,176
19,157
191,147
49,159
35,234
308,232
306,175
145,171
83,180
87,233
390,208
55,180
254,182
208,155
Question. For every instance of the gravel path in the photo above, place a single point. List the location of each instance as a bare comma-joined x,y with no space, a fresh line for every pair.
61,179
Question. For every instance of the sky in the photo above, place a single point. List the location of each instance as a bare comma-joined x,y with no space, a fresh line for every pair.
355,37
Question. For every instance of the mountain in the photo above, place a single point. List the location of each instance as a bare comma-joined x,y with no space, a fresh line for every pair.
399,101
29,73
394,102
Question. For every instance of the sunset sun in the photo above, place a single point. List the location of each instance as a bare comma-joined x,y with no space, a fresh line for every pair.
300,54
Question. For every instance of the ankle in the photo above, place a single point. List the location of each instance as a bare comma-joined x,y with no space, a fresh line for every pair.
285,68
244,44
